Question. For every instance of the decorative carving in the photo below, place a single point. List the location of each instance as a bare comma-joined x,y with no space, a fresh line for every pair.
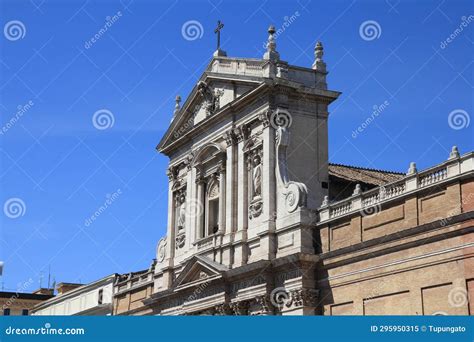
188,161
264,117
240,308
222,309
282,71
242,133
180,240
255,208
295,193
309,297
172,173
265,304
229,137
211,101
161,250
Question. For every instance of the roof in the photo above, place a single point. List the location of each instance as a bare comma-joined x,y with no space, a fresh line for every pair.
364,175
70,284
20,295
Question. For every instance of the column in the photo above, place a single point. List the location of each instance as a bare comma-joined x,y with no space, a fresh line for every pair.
267,249
242,187
189,202
222,198
230,184
170,232
200,205
268,174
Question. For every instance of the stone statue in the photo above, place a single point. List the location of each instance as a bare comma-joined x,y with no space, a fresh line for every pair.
182,213
257,176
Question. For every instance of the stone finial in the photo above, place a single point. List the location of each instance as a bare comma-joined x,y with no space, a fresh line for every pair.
454,153
319,52
325,201
357,190
319,64
177,106
412,170
271,53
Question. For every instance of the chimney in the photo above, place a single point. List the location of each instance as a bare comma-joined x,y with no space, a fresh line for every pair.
66,287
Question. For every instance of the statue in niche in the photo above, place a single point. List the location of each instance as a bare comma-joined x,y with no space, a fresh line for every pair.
257,176
182,212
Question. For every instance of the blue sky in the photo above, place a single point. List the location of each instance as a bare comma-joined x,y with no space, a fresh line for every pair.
60,168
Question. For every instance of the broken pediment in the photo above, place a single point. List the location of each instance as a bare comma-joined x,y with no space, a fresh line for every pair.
208,97
197,269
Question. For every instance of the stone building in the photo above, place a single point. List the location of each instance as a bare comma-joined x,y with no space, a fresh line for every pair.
22,303
259,223
93,299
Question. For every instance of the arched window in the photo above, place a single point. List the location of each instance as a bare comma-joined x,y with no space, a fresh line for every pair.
209,162
212,207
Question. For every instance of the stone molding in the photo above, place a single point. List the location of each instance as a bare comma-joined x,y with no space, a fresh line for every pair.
372,200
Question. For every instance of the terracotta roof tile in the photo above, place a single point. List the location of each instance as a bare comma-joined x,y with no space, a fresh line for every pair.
363,175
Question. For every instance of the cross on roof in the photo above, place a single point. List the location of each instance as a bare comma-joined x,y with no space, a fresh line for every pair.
218,31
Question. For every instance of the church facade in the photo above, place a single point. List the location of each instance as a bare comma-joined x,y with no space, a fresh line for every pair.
260,223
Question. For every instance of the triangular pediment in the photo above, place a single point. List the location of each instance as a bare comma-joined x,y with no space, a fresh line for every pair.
199,269
212,94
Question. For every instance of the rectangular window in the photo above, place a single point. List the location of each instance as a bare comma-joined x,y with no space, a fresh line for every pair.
6,312
100,297
24,312
213,216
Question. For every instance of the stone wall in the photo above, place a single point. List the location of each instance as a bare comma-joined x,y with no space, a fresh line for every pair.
414,256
